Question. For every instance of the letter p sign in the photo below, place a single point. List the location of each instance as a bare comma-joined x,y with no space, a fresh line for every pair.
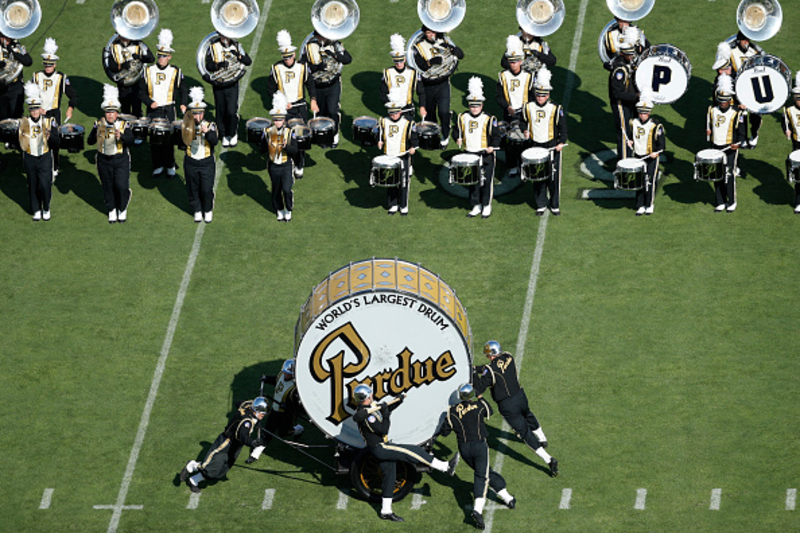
661,76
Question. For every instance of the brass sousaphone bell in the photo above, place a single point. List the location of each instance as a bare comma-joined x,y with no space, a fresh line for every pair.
18,19
233,19
629,10
334,20
133,20
440,16
759,20
540,17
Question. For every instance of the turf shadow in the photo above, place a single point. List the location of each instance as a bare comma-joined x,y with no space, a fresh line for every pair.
14,183
773,187
687,190
367,83
248,177
90,95
84,184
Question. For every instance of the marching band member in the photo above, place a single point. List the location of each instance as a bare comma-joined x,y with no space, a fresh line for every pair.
123,52
741,50
198,163
53,85
614,38
514,91
37,134
544,123
476,134
320,54
726,130
12,95
467,420
226,95
293,79
160,86
622,87
397,137
373,421
532,47
791,127
400,76
722,64
281,147
113,137
435,92
646,139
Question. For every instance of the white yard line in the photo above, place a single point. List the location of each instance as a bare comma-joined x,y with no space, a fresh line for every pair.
791,499
47,497
343,501
269,497
716,499
641,498
522,339
176,313
194,500
566,498
417,501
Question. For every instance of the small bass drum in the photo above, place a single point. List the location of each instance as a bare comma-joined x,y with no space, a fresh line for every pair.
160,132
255,129
365,131
536,165
9,132
793,167
465,169
323,131
302,133
71,137
386,171
629,175
430,136
709,165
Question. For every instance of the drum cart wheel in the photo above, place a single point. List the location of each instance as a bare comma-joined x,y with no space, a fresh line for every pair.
366,477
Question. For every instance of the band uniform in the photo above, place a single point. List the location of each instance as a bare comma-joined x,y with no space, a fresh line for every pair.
226,94
321,56
396,138
546,126
113,162
37,137
123,53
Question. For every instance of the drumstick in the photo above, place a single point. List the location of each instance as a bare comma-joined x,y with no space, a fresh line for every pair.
648,155
553,148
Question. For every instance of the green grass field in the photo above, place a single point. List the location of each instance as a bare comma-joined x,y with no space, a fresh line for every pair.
658,354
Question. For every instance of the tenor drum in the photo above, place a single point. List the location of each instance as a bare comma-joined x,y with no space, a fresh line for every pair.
139,126
323,131
160,131
386,171
663,70
364,130
793,167
536,165
388,318
71,137
255,129
9,132
502,128
430,136
709,165
302,133
465,169
629,175
177,134
763,83
515,137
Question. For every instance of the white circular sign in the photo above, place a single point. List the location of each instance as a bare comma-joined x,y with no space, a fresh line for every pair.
664,72
763,84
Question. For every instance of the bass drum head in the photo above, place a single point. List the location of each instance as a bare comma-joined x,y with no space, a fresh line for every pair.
763,84
664,72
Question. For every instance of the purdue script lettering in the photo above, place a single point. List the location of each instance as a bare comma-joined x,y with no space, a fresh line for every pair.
338,311
393,381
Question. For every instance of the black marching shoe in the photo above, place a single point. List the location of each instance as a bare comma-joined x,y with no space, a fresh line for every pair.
392,517
250,460
476,516
512,504
452,464
192,487
553,464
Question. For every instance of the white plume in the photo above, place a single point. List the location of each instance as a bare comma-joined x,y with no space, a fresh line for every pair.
50,46
165,38
723,55
196,94
110,94
646,99
284,39
475,88
279,102
397,97
630,35
398,44
543,78
797,80
513,45
725,85
32,91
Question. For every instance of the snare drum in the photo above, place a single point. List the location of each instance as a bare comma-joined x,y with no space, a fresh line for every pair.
763,83
537,164
664,71
629,175
139,126
160,131
709,165
465,169
386,171
430,136
71,137
364,130
255,129
9,132
323,131
793,167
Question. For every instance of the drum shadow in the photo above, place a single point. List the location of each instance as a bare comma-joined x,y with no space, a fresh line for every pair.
90,96
354,166
368,83
773,186
248,176
85,185
14,182
688,190
691,136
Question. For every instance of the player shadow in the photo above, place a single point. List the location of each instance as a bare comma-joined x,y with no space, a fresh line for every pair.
494,444
367,83
687,190
84,184
590,124
14,182
692,106
91,96
248,176
172,189
773,187
259,86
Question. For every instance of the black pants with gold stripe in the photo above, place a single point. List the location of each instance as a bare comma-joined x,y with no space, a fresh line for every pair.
200,183
40,180
388,454
476,455
518,414
220,457
115,177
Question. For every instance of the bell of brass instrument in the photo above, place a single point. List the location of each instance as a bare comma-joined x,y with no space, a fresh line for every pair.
233,19
759,20
133,20
334,20
629,10
440,16
540,17
18,19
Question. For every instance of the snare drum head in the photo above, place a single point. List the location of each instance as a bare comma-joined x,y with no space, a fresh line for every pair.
71,129
321,124
302,131
428,129
710,154
794,157
664,71
258,123
365,123
763,83
128,118
296,122
630,165
386,161
535,154
465,159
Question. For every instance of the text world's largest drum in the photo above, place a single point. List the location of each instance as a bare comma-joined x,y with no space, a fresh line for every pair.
392,325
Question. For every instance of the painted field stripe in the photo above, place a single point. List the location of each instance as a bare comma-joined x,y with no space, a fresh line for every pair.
566,498
791,499
641,498
522,339
194,500
343,501
716,499
47,497
115,507
176,311
269,496
416,501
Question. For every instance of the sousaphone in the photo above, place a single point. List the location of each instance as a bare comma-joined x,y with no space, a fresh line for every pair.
759,20
233,19
18,19
629,10
334,20
440,16
133,20
540,17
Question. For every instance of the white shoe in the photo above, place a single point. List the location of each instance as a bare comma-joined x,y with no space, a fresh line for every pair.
287,215
476,210
280,215
234,140
226,142
404,211
46,215
486,212
649,210
37,216
138,142
55,173
410,170
112,216
209,216
298,173
158,171
752,143
198,216
171,172
797,209
731,208
640,211
540,211
719,208
335,140
298,429
556,211
444,143
393,210
123,215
